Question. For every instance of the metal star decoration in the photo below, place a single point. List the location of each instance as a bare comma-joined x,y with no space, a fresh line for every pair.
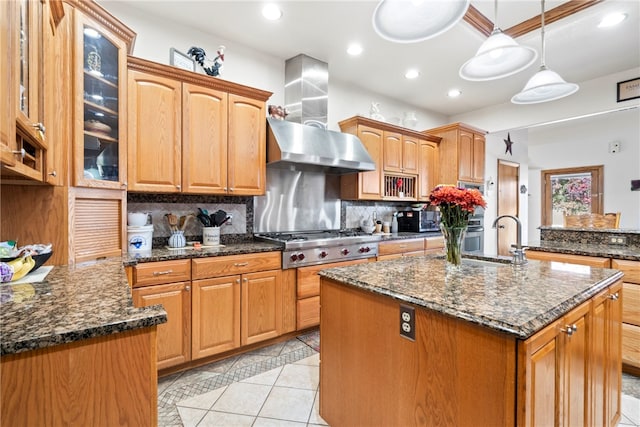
508,142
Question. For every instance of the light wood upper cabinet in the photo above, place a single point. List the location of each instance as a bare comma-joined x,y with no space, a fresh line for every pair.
247,152
428,169
364,185
154,128
100,116
7,106
204,139
193,133
461,153
400,153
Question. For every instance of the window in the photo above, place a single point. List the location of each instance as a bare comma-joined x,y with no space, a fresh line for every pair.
571,191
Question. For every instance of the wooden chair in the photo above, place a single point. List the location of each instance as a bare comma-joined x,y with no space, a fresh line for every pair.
594,220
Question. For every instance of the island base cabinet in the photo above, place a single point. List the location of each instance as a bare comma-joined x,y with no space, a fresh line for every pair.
453,374
105,381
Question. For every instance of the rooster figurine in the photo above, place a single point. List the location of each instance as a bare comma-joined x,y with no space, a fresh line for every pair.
200,57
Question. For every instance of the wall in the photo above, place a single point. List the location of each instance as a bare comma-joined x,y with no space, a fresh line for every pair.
584,143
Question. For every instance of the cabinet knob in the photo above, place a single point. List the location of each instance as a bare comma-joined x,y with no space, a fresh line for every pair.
125,184
53,173
569,329
22,152
187,288
245,280
224,188
178,186
238,281
614,297
230,188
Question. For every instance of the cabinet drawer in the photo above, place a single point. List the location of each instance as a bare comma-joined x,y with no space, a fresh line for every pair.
204,268
591,261
631,269
400,246
631,345
631,303
308,281
308,312
434,242
157,273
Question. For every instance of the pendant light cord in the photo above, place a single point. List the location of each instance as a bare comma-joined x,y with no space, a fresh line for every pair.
495,14
543,65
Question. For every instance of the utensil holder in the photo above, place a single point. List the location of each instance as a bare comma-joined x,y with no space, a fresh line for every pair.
177,239
211,236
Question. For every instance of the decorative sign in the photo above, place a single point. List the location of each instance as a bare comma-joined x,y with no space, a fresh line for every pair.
629,89
180,60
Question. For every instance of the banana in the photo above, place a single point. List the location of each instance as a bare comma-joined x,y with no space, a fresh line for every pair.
26,267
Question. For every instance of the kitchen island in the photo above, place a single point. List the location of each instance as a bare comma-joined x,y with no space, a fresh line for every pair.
487,344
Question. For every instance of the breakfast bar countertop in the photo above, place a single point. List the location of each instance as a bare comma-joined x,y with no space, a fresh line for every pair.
511,299
73,303
587,249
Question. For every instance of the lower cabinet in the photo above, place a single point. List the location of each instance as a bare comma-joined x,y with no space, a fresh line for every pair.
630,314
591,261
214,304
308,292
572,368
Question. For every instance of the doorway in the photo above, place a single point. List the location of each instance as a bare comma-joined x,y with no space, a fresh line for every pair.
508,204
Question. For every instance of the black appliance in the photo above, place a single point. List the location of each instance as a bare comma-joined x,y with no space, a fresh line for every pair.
419,221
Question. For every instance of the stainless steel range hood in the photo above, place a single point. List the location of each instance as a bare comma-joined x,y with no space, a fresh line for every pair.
301,147
302,142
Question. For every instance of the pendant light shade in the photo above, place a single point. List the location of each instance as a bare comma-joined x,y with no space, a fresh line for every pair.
499,56
409,21
546,85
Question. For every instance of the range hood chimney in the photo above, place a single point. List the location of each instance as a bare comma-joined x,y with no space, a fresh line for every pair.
302,142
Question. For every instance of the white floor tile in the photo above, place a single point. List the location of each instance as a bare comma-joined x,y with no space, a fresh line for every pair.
203,401
299,376
224,419
266,378
288,404
191,417
315,417
630,408
311,360
270,422
242,398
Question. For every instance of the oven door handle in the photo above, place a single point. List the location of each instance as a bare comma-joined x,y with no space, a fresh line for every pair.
475,229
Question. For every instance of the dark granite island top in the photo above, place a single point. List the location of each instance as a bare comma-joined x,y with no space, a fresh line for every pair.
71,304
516,300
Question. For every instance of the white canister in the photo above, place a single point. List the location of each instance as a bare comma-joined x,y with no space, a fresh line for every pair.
140,239
210,236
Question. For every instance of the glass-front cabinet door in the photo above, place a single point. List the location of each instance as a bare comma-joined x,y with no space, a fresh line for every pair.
100,95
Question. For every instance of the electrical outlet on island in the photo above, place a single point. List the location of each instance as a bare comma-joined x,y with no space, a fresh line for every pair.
618,240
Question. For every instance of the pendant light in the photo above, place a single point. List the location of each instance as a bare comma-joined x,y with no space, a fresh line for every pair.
545,85
410,21
499,56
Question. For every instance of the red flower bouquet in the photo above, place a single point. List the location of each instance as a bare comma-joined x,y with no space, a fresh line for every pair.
456,204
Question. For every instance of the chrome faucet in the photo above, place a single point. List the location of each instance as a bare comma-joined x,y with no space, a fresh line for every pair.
519,257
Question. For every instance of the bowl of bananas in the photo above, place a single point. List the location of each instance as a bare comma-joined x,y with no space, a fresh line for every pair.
27,259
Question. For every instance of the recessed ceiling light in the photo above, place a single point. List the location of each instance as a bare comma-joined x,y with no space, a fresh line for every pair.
612,19
271,12
412,74
354,49
454,93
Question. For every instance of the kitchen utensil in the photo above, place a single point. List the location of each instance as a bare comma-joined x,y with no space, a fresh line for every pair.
204,219
173,221
184,220
218,217
204,211
225,220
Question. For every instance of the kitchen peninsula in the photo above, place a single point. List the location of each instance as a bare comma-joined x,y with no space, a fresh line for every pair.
486,344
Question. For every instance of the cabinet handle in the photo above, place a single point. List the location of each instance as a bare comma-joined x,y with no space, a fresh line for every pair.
614,297
230,188
240,264
238,281
245,280
569,329
125,184
53,173
162,273
187,288
178,186
22,152
224,188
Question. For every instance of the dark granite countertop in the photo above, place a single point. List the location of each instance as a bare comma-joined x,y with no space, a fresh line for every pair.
73,303
510,299
588,249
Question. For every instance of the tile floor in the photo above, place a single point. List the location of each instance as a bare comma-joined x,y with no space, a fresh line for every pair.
275,386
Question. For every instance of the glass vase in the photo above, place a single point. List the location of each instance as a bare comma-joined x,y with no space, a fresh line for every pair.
453,238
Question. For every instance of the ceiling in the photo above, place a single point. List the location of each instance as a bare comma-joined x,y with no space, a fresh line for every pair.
575,47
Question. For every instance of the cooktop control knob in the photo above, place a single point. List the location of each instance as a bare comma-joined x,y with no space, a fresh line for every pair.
300,257
345,251
293,257
323,254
